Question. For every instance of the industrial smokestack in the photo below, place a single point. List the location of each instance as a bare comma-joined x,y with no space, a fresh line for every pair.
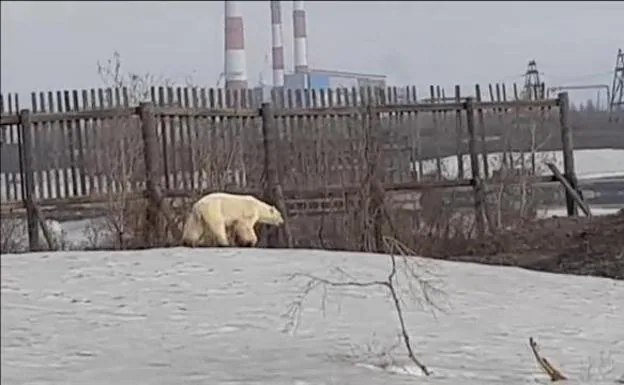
277,43
235,62
301,37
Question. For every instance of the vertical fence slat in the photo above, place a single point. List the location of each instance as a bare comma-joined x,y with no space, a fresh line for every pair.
436,134
5,141
85,145
16,177
39,151
71,149
484,152
79,146
96,137
459,135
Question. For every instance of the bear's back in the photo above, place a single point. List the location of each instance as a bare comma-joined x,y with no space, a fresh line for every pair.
225,197
231,206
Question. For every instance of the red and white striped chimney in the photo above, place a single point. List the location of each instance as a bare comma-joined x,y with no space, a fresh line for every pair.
301,37
277,43
235,62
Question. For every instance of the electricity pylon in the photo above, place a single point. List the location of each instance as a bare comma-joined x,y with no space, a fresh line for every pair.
533,87
616,104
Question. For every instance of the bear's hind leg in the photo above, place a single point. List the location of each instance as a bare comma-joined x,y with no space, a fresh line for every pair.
192,231
219,232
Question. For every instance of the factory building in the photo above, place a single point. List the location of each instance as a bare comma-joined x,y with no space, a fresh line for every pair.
326,79
303,77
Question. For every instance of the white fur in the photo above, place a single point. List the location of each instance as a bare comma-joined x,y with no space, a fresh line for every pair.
215,213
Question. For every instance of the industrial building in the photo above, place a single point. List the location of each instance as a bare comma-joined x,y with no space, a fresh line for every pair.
324,79
302,77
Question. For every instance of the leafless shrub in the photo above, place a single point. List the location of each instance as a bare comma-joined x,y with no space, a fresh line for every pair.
138,85
600,369
422,289
225,152
124,162
117,163
513,197
12,235
376,353
202,154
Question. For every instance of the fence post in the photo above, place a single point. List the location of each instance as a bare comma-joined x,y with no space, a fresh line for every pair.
479,195
484,151
27,180
459,133
153,230
273,189
568,152
374,161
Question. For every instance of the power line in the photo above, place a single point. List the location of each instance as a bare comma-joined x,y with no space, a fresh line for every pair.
556,79
581,77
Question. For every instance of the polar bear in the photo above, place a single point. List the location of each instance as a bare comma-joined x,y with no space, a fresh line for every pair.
215,214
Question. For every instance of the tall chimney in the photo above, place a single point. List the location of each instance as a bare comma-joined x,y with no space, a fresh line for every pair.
277,43
301,37
235,62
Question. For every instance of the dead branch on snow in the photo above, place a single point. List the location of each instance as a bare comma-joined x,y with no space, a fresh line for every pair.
400,264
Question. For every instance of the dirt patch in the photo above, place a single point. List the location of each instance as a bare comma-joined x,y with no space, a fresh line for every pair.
580,246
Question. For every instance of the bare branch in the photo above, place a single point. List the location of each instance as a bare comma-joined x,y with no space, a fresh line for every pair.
551,371
293,313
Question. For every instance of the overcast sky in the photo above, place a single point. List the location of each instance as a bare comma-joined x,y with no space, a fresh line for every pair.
56,45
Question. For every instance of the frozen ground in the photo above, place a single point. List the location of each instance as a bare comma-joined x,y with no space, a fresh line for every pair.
202,316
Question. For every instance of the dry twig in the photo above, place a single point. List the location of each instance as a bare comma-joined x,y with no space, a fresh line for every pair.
293,313
553,373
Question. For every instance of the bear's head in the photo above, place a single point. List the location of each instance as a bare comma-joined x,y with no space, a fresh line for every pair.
273,216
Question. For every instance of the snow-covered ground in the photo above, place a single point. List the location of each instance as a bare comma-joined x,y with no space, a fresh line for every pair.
589,164
214,316
562,211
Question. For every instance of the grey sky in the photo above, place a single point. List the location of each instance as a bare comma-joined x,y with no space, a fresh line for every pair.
56,45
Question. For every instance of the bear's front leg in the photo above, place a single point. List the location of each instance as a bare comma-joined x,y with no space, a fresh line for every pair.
252,241
245,234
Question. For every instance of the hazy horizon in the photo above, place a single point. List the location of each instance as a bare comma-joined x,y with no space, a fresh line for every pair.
413,43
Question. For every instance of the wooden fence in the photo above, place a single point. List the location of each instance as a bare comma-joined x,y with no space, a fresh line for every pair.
78,148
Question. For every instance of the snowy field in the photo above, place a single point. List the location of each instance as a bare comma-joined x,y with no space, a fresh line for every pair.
589,164
202,316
